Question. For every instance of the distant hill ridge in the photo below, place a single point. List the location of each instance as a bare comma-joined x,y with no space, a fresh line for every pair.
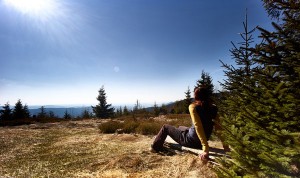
76,111
60,111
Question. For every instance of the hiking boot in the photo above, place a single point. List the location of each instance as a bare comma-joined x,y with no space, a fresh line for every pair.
153,150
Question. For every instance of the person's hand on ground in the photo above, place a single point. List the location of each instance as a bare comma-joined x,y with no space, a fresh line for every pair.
204,156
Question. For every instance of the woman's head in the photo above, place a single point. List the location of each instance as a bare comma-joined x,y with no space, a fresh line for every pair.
201,94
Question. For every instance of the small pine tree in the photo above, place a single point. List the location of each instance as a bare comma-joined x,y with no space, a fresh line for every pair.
103,110
237,86
26,111
42,114
206,81
187,100
155,109
6,112
86,114
120,111
163,109
20,111
262,108
137,106
52,115
67,115
125,111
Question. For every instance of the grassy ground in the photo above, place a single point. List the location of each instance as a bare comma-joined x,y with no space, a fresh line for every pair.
78,149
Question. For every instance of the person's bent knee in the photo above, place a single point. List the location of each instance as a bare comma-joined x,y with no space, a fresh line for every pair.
166,126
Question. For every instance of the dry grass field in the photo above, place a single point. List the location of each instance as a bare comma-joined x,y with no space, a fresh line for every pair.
78,149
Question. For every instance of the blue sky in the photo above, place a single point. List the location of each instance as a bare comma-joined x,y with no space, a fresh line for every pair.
61,52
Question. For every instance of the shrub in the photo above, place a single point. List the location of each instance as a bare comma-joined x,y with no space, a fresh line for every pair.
130,126
110,126
178,116
180,122
149,128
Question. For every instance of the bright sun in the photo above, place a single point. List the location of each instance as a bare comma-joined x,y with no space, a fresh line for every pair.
31,7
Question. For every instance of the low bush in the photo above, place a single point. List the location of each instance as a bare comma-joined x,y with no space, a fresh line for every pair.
181,122
110,126
142,126
178,116
130,126
149,128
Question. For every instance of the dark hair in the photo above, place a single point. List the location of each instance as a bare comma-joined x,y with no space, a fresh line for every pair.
202,94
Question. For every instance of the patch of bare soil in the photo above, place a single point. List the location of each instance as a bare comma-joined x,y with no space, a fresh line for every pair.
77,149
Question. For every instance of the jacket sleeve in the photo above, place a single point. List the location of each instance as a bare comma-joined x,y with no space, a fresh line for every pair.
198,127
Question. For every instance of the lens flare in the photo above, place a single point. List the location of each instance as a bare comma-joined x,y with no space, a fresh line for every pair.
32,7
58,24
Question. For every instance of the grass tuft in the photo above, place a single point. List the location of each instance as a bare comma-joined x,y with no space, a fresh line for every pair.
110,126
149,128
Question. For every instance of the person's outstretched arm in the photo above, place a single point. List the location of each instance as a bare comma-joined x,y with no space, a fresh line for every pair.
200,131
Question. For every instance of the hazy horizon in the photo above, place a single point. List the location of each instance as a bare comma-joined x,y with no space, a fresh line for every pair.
116,105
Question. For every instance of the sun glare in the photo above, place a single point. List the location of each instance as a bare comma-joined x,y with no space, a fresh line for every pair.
31,7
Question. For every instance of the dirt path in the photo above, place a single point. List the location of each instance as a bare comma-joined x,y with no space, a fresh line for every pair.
77,149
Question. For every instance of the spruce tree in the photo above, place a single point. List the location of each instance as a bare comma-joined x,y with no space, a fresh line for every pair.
163,109
233,108
6,112
20,111
119,111
103,110
261,109
26,111
86,114
67,115
205,80
42,114
52,115
187,100
137,106
155,109
125,111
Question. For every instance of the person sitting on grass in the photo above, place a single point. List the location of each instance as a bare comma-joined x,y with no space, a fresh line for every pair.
203,114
